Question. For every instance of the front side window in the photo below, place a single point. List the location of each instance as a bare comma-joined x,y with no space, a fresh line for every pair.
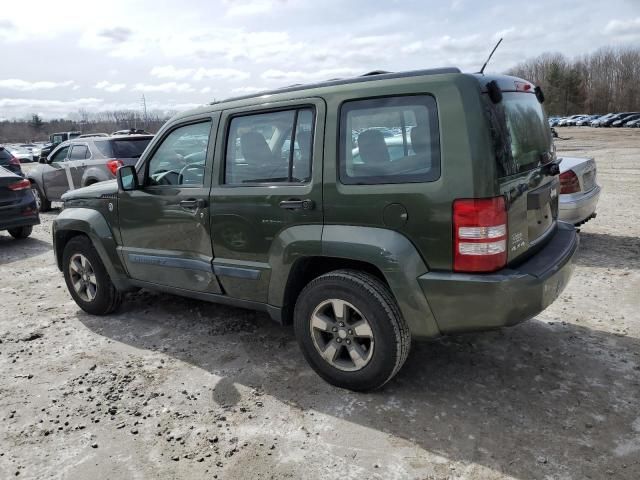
180,158
272,147
60,155
79,152
389,140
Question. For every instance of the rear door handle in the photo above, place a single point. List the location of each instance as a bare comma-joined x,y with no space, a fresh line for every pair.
296,204
193,204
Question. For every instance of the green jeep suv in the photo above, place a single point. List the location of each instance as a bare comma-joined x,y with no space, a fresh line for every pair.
367,212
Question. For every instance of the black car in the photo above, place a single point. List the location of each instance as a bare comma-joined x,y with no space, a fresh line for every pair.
8,161
18,209
56,139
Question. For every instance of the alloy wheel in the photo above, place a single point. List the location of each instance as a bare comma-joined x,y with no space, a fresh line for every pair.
83,277
342,335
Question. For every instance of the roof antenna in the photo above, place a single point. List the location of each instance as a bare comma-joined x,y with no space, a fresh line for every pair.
490,55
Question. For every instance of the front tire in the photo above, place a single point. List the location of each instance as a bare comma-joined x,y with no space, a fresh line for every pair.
20,232
350,330
87,278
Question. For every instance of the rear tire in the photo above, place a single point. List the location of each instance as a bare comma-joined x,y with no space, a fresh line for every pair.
43,204
20,232
360,348
87,278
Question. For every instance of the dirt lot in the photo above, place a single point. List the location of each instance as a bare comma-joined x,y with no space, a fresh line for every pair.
176,388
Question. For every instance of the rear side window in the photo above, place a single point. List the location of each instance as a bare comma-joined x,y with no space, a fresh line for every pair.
273,147
389,140
79,152
5,154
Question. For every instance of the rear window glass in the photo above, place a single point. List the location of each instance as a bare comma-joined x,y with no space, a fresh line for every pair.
389,140
4,154
521,133
123,148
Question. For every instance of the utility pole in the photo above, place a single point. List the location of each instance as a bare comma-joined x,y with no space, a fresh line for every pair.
144,111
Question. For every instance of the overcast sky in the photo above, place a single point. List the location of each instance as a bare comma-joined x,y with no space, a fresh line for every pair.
57,57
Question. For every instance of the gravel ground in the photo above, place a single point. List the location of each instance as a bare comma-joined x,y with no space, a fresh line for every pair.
176,388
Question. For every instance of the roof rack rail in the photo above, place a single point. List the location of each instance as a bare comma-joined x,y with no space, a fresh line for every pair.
374,72
343,81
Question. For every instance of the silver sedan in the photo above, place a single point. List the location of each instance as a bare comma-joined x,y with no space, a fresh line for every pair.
579,190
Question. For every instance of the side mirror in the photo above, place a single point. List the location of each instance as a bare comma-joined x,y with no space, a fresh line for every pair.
127,178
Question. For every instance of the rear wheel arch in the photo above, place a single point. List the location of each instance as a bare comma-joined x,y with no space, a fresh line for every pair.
306,269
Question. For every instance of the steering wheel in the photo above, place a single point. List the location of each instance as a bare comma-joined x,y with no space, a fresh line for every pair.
165,177
186,169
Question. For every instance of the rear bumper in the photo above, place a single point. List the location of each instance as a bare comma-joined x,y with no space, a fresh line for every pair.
467,302
577,208
22,214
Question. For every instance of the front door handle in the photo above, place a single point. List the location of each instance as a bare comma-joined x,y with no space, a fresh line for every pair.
296,204
193,204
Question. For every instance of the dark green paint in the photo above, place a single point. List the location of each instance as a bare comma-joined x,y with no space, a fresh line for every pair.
403,231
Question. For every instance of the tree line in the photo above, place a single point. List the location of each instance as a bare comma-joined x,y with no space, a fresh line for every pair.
607,80
37,129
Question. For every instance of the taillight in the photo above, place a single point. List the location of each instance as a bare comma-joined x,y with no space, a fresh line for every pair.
14,161
113,165
569,182
479,234
21,185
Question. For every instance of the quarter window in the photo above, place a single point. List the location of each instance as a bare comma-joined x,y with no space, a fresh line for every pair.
180,158
389,140
272,147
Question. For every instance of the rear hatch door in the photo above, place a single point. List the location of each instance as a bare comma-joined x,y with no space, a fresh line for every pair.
9,199
128,149
527,172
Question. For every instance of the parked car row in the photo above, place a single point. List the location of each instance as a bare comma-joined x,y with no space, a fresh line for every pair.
624,119
83,161
25,152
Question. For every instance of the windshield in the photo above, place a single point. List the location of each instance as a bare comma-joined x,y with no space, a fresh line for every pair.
522,138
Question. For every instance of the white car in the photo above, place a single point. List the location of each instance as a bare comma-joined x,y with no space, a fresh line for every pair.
579,190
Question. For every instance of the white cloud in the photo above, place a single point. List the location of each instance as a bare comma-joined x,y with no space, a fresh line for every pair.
244,7
110,87
246,90
205,90
318,75
623,27
164,87
27,86
169,71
